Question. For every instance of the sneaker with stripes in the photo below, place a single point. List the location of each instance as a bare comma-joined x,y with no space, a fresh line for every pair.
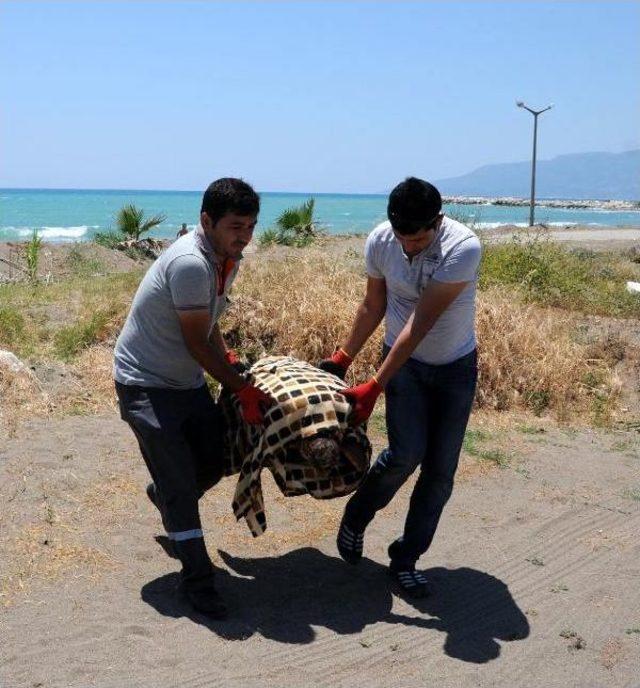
350,544
411,582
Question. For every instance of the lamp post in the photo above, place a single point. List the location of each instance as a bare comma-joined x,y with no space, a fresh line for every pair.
535,114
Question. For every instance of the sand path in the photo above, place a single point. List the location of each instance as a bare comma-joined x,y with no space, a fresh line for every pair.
534,574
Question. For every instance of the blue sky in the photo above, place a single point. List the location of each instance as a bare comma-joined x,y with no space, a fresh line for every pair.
306,96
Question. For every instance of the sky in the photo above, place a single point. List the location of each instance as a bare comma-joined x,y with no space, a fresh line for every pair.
306,96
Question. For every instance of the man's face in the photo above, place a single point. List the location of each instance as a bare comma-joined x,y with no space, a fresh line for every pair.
230,234
412,244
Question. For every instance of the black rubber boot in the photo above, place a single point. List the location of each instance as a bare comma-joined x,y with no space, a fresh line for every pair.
198,577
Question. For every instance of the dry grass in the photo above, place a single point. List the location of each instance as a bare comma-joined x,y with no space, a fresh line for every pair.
529,357
91,389
112,497
44,551
52,544
21,397
302,305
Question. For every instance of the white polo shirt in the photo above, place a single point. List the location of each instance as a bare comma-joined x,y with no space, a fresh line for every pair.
453,256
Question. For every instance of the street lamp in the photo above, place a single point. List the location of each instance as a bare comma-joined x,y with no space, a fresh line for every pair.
535,114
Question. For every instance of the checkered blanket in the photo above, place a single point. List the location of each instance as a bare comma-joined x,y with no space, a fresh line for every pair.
309,404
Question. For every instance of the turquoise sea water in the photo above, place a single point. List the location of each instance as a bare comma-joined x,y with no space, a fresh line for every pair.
69,215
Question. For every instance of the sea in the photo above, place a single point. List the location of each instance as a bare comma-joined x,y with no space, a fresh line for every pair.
64,215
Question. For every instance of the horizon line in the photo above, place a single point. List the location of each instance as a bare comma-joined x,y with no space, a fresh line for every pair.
134,190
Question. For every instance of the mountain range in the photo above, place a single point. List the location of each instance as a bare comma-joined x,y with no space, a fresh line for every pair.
600,176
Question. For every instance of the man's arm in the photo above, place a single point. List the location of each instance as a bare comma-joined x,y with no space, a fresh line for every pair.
368,316
433,302
208,350
217,340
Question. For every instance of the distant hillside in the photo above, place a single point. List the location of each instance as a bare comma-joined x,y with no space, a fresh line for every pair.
581,175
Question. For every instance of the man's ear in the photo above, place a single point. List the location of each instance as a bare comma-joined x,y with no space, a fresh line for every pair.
205,220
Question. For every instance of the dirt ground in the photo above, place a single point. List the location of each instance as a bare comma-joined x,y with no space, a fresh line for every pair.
534,572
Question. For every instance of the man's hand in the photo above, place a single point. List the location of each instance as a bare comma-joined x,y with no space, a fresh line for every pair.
362,398
338,364
232,358
254,403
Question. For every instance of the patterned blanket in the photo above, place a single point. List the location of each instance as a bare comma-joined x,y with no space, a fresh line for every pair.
309,405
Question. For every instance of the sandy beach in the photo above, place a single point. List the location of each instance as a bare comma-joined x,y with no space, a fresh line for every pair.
534,574
598,238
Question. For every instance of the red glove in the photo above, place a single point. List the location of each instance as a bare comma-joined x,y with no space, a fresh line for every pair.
362,398
253,403
232,358
338,364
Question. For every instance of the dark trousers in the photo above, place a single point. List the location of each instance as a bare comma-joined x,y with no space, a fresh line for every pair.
180,437
427,410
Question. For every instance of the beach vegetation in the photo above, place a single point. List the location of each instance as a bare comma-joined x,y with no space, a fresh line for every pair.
71,339
541,271
294,227
57,320
107,239
82,264
131,222
12,326
532,357
32,255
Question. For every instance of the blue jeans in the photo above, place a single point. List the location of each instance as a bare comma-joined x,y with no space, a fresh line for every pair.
427,408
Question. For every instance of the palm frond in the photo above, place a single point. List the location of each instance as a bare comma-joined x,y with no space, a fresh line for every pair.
130,221
289,219
152,222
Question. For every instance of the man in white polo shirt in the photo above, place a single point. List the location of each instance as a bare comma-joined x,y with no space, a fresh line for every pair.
170,338
422,270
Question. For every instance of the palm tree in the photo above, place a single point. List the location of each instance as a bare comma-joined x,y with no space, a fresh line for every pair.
296,225
131,222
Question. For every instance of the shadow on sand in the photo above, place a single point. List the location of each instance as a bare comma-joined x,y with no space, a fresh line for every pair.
283,597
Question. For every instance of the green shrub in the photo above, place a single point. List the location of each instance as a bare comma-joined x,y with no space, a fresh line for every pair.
295,227
131,223
269,237
11,326
82,265
32,255
107,239
70,340
543,272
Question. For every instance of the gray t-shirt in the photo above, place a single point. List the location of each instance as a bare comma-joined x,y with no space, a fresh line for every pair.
151,351
453,256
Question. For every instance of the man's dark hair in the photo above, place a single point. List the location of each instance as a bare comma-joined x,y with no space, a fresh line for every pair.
229,195
413,205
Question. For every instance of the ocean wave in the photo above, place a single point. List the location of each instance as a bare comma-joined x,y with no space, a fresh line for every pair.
493,225
55,232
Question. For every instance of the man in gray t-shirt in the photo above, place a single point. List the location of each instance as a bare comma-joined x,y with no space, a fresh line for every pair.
170,338
422,271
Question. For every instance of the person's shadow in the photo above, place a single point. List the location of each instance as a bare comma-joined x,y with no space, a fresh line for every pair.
283,597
